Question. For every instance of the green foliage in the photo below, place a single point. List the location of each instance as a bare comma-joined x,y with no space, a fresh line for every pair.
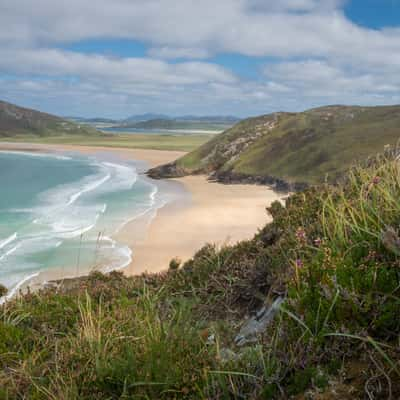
175,263
3,290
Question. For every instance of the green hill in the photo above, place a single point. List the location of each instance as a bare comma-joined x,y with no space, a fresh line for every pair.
15,121
292,150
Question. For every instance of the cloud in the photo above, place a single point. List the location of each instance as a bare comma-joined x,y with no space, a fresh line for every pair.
177,52
319,55
55,62
192,29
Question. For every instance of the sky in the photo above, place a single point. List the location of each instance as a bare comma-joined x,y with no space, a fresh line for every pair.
115,58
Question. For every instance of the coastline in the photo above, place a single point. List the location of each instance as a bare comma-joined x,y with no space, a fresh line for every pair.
214,213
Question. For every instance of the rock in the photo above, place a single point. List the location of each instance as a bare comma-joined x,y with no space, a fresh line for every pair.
257,324
279,185
171,170
391,241
226,355
211,339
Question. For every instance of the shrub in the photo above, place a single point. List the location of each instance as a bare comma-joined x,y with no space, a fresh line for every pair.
3,290
174,264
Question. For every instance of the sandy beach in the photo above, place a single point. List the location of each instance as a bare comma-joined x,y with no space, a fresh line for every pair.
215,213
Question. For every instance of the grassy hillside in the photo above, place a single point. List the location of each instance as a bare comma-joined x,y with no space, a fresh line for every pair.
332,253
16,120
295,148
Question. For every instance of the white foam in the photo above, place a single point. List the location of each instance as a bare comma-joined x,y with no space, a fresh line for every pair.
9,252
88,188
148,209
8,240
123,176
36,154
15,289
72,210
126,253
72,233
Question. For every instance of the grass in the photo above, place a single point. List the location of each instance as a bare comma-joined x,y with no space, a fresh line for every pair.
332,251
135,141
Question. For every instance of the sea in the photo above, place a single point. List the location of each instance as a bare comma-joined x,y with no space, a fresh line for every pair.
64,210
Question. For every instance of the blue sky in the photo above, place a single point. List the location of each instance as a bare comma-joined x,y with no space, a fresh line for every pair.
240,57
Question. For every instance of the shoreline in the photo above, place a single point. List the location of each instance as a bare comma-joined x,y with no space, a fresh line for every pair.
215,213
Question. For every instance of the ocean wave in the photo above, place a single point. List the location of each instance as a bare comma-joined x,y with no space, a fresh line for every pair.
8,240
36,154
73,233
124,259
89,205
15,289
123,176
148,208
88,188
10,251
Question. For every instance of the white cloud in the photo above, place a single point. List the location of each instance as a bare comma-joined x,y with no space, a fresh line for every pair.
98,67
177,52
192,28
336,60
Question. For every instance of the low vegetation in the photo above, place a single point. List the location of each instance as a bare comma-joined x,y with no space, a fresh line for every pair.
333,254
130,141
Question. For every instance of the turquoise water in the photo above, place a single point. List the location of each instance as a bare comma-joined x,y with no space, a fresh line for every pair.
61,211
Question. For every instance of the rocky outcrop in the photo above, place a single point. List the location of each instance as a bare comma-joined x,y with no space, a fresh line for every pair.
230,177
171,170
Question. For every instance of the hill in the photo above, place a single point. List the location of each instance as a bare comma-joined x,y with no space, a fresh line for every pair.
179,124
292,150
144,117
93,121
219,119
15,120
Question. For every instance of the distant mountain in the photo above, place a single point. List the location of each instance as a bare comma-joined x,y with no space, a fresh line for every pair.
173,124
292,150
144,117
218,119
161,121
93,120
15,120
212,118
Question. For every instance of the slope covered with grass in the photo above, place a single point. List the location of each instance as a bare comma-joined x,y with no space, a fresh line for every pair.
15,121
332,253
296,148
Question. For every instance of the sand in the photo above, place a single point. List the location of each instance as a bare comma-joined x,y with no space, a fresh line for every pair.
215,213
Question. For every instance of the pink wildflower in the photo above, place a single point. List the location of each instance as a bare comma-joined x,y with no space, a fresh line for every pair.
299,263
